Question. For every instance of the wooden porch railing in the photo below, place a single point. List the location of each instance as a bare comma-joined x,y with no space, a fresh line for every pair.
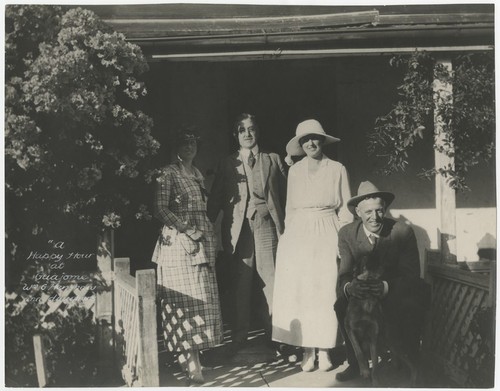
455,345
136,349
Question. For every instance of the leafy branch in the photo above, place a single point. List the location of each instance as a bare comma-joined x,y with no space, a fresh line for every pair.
77,143
467,115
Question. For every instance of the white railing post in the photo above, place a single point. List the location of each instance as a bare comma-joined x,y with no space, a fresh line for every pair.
41,368
148,340
104,304
122,266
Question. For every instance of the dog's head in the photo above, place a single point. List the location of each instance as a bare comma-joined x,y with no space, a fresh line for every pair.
370,267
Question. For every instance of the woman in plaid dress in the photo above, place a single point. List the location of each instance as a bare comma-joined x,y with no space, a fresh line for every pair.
185,255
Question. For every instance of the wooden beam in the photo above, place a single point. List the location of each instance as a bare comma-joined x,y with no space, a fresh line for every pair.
482,33
122,266
211,26
104,305
149,374
105,254
186,10
122,275
41,368
477,280
140,33
319,53
190,26
452,18
445,194
492,292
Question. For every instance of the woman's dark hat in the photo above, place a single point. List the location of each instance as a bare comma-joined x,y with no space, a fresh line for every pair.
184,135
368,190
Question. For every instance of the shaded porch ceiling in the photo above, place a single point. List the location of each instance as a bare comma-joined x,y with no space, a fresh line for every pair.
214,32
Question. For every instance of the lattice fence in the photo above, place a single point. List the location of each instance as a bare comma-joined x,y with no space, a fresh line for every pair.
58,300
44,309
459,338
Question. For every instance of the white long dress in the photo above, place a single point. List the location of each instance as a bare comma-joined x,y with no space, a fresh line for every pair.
306,267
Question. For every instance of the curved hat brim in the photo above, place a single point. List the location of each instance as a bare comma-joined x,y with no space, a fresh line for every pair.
354,201
293,147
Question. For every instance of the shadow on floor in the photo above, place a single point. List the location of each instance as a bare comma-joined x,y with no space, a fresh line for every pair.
257,365
254,366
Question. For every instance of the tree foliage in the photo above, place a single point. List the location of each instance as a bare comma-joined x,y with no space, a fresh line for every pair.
76,141
70,354
467,115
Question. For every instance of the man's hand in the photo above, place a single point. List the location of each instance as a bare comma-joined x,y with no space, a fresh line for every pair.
359,289
376,287
363,289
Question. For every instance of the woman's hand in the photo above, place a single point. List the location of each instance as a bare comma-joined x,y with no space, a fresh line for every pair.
183,227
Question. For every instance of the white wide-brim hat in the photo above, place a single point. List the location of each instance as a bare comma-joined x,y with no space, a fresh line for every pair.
310,126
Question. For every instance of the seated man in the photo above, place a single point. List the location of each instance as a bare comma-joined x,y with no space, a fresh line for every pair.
402,292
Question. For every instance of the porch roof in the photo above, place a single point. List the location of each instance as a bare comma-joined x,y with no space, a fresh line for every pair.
174,31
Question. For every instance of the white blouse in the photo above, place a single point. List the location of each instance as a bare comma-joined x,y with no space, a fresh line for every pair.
327,188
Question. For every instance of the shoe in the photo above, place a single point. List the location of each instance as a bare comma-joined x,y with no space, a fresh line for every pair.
338,355
281,349
307,364
351,372
196,377
324,362
193,367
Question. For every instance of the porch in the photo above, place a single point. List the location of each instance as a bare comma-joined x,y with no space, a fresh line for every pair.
323,62
457,346
332,64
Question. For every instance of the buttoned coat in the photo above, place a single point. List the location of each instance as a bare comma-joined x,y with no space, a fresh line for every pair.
396,248
230,193
408,298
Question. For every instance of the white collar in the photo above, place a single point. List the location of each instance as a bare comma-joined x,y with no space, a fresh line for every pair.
245,152
369,234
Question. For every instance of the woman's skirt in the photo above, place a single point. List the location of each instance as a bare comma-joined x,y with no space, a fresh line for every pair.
306,277
187,287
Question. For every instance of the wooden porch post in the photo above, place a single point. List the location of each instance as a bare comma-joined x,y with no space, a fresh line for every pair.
148,340
41,367
445,195
104,306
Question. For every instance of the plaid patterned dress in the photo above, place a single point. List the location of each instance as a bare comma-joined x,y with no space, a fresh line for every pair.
191,315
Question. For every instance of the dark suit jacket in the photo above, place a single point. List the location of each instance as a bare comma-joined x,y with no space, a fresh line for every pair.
405,305
396,248
229,193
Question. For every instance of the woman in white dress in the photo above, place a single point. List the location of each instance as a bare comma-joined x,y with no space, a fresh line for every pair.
306,267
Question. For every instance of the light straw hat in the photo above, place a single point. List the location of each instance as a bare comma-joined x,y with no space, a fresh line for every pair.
310,126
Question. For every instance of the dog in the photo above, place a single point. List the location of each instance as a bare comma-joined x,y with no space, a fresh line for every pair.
363,321
370,334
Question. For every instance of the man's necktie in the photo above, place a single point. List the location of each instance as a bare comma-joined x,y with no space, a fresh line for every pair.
251,159
374,240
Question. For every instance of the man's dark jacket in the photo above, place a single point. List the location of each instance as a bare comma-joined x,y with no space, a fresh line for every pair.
397,250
